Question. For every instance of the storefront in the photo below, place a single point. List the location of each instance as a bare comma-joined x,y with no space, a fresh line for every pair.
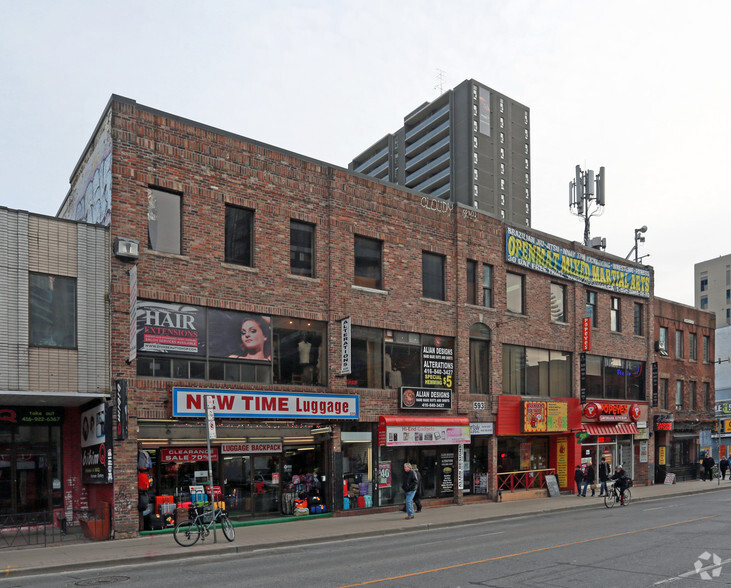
610,431
268,447
477,458
535,439
435,445
30,459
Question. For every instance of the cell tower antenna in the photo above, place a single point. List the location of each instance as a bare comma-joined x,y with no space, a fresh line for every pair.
586,199
441,75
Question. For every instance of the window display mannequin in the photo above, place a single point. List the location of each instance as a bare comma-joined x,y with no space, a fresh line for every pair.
304,350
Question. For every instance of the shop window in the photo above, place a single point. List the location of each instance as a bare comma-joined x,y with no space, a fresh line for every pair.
368,262
536,372
402,363
52,311
558,303
357,454
367,358
515,287
615,378
594,379
480,336
164,221
302,249
432,275
522,453
299,351
239,236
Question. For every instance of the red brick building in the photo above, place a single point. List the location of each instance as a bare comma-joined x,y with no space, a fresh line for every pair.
344,326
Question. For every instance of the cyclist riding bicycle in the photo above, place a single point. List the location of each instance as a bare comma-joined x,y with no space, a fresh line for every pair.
621,481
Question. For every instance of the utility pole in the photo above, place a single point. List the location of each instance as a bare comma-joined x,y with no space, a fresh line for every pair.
586,199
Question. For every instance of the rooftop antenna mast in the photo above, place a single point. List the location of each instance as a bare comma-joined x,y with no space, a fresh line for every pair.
441,75
586,199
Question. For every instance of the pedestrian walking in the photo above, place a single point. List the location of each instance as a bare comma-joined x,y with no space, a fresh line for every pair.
409,487
589,479
578,478
419,487
603,477
708,463
723,464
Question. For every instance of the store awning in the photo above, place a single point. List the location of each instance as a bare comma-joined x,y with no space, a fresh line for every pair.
610,428
419,421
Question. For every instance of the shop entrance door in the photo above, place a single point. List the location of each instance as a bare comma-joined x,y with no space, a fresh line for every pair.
252,484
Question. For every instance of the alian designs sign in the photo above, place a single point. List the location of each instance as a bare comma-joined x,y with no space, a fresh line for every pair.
189,402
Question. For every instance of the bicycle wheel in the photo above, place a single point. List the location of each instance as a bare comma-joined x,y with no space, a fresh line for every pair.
627,497
610,499
186,533
227,527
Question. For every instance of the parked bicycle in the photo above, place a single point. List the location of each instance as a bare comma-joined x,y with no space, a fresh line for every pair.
614,496
188,532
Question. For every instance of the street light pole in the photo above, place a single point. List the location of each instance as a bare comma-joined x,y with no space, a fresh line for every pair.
639,238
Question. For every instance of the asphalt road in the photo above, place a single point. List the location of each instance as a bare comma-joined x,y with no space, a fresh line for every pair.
649,543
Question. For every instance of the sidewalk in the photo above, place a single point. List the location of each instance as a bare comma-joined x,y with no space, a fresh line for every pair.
65,557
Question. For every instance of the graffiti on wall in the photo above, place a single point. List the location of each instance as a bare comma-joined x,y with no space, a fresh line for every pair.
90,199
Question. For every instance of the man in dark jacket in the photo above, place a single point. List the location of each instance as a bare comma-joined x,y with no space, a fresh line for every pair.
578,478
724,465
603,477
708,464
621,481
409,487
589,478
419,488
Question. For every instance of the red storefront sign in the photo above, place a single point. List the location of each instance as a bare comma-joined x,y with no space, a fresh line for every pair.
586,334
615,412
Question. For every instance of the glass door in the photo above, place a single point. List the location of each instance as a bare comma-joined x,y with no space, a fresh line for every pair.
237,484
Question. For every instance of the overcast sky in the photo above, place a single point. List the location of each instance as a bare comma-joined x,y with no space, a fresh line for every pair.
641,88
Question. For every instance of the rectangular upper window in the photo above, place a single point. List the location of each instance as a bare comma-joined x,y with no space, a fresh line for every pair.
638,318
615,317
514,288
487,285
164,221
558,303
471,281
706,348
52,311
591,307
692,346
678,344
302,249
239,235
432,275
368,262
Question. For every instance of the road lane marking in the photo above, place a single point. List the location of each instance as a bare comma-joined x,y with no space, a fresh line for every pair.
499,557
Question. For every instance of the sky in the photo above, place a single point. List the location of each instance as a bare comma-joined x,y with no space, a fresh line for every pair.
640,88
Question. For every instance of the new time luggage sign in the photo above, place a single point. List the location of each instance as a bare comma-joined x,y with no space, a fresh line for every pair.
190,402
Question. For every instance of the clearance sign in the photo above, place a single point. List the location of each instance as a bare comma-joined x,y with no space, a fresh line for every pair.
536,254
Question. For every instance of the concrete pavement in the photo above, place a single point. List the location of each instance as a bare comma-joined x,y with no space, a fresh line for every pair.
162,546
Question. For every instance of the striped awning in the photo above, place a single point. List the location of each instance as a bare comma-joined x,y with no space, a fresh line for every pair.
610,428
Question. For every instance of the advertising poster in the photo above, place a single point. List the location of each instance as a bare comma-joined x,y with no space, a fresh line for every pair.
447,469
170,328
395,435
534,416
426,398
384,474
557,416
438,363
525,449
96,445
661,455
239,335
562,462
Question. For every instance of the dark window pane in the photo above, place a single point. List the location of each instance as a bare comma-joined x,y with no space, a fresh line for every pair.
432,273
301,249
52,310
368,262
471,279
239,235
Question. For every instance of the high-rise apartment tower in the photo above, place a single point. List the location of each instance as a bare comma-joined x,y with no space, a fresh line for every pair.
713,288
470,146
